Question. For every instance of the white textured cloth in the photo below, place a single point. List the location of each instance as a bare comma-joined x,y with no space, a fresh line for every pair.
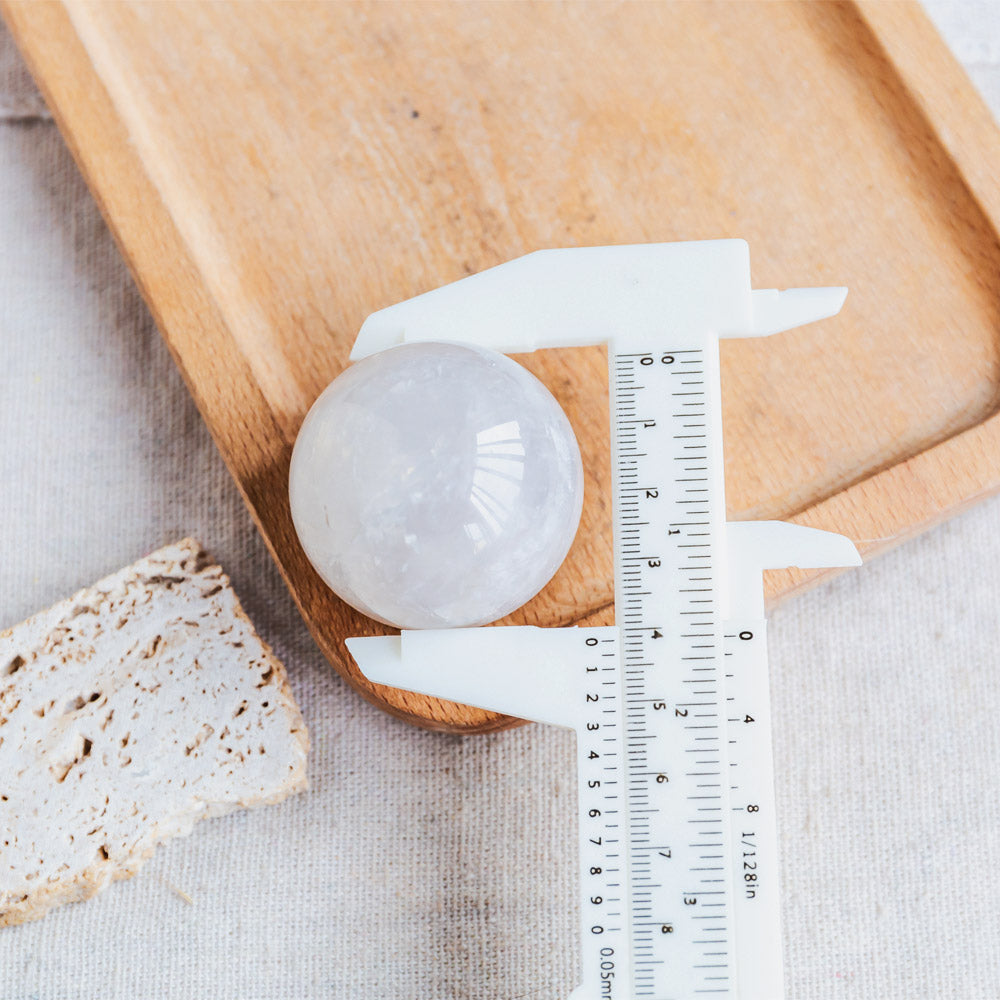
429,866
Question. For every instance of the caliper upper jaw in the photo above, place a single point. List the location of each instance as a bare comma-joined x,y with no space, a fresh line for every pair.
775,312
590,295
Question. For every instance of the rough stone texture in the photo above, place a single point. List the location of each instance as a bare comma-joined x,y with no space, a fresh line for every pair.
128,712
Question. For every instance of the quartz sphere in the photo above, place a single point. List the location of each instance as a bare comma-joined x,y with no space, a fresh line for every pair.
436,485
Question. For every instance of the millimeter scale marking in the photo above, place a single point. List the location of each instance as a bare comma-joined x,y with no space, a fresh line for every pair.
676,809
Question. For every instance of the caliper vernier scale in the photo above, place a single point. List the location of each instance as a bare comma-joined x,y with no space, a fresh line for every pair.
678,843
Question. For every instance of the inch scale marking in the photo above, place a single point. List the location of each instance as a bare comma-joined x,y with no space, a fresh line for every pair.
669,511
678,839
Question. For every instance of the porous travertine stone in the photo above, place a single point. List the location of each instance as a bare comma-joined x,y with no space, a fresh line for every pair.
127,713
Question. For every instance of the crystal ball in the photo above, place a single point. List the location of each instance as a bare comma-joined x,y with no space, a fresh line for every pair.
436,485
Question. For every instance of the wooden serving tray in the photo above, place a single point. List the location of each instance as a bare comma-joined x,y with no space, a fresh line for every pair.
275,172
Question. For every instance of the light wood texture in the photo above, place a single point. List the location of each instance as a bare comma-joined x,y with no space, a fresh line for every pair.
275,172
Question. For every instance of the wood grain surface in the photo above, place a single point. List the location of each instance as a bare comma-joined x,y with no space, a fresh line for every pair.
275,172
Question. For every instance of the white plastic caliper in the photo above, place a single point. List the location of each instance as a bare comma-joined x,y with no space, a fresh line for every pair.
678,843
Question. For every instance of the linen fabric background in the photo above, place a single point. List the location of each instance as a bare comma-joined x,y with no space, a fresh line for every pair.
423,865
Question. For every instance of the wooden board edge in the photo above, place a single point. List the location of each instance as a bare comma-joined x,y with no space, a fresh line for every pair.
961,121
148,239
964,468
941,89
925,491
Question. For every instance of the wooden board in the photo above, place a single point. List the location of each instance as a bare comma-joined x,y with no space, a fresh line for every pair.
275,172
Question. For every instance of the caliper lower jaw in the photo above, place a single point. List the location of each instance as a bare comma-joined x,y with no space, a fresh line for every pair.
436,662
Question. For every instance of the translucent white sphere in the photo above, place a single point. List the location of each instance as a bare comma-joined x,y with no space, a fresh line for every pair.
436,485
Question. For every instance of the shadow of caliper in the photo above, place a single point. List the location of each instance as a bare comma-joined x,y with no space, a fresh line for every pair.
678,842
